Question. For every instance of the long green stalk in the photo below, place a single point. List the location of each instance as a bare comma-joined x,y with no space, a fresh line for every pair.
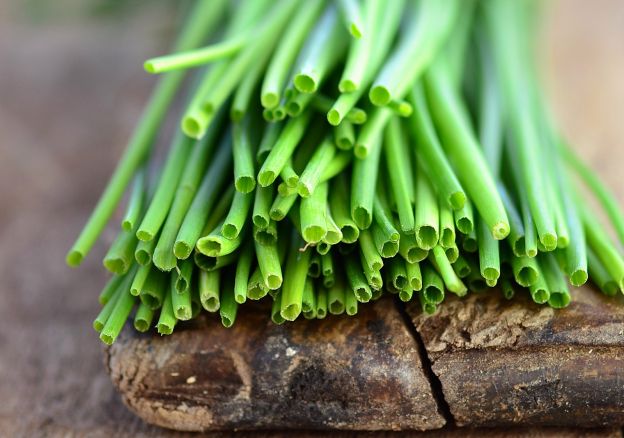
180,301
363,183
205,198
167,320
462,148
452,282
428,151
229,305
324,47
386,26
425,31
286,51
400,182
270,267
606,198
360,50
199,114
243,152
209,290
136,201
433,286
164,257
282,150
427,220
143,318
313,215
120,255
313,171
201,22
237,216
503,19
357,280
294,281
339,207
153,291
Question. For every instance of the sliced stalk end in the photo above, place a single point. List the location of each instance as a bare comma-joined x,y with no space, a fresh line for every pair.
116,265
209,246
405,295
305,83
540,295
193,127
211,304
266,178
549,240
150,67
350,233
363,294
334,117
559,300
491,274
151,300
347,86
144,235
527,276
389,249
164,329
107,339
427,237
501,230
74,258
313,233
141,325
379,95
360,151
182,250
433,295
291,312
183,313
362,217
230,231
245,184
429,308
273,281
578,277
465,225
164,260
269,100
457,200
336,308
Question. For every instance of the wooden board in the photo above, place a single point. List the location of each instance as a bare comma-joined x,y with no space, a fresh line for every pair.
502,362
339,373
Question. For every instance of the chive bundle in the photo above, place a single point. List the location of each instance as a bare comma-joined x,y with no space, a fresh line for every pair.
362,156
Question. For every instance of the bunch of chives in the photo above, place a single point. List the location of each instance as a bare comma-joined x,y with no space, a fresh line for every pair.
362,156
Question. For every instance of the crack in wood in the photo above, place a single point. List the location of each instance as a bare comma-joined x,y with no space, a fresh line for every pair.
427,366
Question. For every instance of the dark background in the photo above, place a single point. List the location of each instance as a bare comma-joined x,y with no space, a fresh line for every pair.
71,90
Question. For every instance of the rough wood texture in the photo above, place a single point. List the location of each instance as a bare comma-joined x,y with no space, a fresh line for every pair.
341,373
503,363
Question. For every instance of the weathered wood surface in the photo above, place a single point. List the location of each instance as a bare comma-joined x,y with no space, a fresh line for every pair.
340,373
512,362
499,363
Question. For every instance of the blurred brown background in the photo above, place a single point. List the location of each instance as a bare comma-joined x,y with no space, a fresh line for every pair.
71,90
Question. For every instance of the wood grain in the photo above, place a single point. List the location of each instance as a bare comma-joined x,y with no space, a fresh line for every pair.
359,373
513,362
